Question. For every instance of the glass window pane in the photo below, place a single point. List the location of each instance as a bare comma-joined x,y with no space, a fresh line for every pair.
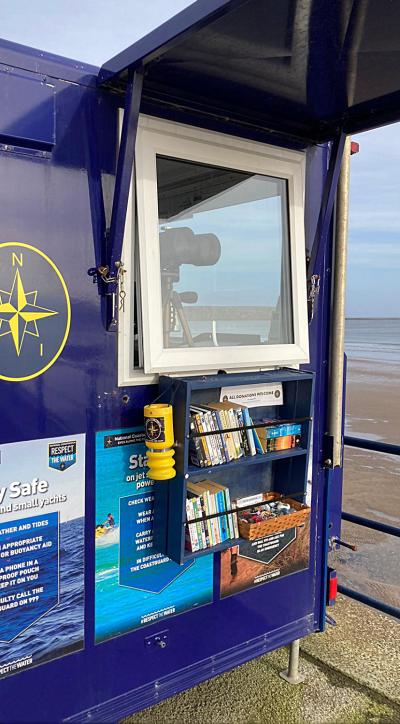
224,252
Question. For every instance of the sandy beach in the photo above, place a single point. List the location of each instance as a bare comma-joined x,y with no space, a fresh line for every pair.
372,480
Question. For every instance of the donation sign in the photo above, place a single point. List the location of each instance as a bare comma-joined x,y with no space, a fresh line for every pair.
42,486
270,393
274,556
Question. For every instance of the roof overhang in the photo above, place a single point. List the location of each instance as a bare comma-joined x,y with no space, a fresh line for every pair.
303,69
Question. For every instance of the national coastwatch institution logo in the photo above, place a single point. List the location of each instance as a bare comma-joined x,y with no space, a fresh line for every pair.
35,312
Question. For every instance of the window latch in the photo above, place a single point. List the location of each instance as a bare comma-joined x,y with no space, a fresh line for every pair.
312,294
102,273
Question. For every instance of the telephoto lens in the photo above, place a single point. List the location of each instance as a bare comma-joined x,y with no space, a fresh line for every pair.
183,246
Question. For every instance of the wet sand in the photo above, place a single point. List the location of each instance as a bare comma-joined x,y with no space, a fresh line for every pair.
372,480
373,400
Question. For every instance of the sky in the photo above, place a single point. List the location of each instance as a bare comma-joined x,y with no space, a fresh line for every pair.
373,271
94,30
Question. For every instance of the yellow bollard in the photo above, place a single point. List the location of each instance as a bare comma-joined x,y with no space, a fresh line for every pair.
160,439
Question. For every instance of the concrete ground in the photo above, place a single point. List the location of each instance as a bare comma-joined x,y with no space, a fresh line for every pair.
352,676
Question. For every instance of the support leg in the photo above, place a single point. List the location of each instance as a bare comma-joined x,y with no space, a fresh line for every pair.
292,675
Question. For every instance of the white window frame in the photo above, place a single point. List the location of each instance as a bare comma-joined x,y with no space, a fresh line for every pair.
165,138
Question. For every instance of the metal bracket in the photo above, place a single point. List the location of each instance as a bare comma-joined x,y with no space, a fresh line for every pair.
329,619
328,451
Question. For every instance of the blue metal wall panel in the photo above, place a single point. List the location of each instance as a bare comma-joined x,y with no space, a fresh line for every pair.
48,203
27,110
14,56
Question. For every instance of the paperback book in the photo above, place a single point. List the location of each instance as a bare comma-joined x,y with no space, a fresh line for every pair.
224,431
206,503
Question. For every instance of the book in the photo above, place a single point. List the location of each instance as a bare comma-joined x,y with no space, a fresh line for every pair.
222,438
208,498
249,432
279,436
243,435
237,438
230,418
196,452
243,416
219,438
216,449
198,423
211,443
208,439
202,500
228,435
257,441
221,493
199,489
197,514
191,534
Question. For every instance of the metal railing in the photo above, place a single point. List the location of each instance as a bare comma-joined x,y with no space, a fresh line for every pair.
381,447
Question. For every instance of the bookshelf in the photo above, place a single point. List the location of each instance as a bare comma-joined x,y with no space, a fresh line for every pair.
283,472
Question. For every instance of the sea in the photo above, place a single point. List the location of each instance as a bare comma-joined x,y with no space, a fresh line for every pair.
373,351
60,631
376,339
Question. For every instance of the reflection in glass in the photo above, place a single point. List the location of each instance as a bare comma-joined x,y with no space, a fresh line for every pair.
224,253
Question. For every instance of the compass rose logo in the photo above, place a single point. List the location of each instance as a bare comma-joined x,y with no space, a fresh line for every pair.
20,311
154,427
34,312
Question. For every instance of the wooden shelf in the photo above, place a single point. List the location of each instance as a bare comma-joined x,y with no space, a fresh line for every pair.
194,470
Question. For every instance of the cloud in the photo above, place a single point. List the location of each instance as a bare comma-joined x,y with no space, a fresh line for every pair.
375,183
374,225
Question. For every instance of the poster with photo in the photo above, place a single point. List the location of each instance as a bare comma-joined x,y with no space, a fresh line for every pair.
42,484
135,584
255,562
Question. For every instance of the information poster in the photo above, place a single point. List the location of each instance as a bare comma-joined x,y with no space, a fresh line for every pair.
135,585
265,559
42,485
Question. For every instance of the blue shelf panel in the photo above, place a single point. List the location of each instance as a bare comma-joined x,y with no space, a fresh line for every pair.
193,470
199,382
214,549
287,477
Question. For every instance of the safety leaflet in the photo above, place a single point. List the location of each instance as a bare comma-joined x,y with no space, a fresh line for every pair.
41,551
136,585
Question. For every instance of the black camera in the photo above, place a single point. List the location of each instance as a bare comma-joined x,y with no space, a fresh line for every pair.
182,246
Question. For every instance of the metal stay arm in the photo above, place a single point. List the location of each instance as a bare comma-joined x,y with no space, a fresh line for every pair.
108,274
125,167
325,212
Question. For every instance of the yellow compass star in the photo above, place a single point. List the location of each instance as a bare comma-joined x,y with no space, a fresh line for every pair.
19,310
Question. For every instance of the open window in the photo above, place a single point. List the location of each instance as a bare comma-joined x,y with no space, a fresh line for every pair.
219,253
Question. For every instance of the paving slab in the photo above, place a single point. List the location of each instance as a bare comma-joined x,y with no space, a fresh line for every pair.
365,645
255,694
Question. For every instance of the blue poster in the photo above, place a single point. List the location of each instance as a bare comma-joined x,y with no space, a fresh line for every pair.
135,584
41,551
